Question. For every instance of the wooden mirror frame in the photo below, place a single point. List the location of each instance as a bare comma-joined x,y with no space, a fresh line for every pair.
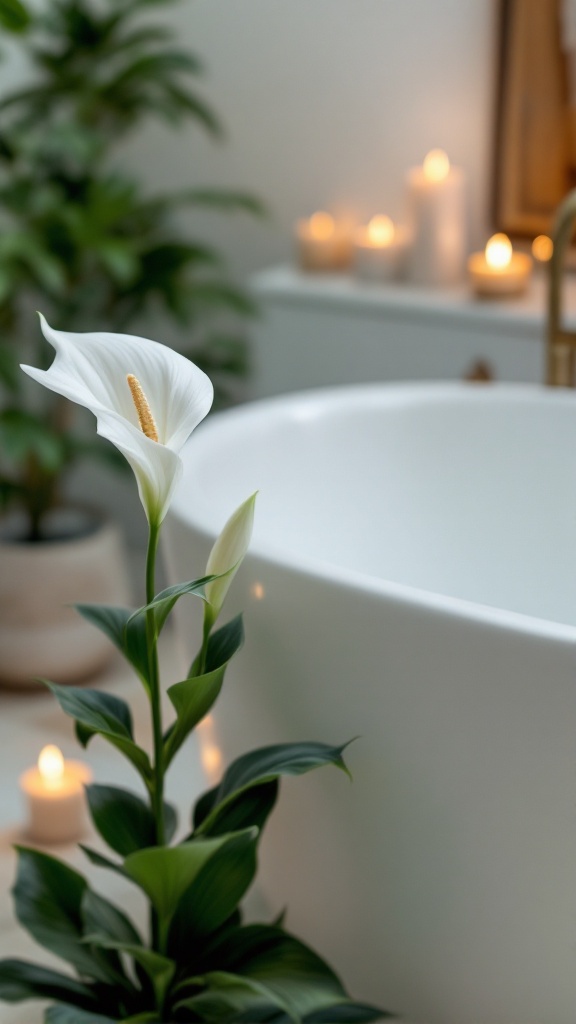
535,155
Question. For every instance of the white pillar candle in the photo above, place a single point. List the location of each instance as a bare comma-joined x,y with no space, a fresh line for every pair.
322,244
499,270
377,250
54,792
437,221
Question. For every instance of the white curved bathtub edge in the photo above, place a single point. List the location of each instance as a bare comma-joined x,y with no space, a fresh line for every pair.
498,618
307,404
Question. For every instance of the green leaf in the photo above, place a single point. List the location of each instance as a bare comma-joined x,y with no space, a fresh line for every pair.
264,765
69,1015
292,972
14,16
281,759
347,1012
9,491
165,873
164,602
99,711
125,629
223,644
10,373
193,698
48,899
124,820
20,980
100,449
102,918
225,201
223,355
24,435
119,260
100,861
143,1018
159,968
106,715
214,893
183,103
208,295
158,65
249,808
229,996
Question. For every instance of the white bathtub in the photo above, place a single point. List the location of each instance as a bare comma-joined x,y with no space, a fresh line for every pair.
412,582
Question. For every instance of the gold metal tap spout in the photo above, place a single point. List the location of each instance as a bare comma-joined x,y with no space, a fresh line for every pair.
560,343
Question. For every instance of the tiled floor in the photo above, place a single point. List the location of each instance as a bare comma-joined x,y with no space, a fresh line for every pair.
29,721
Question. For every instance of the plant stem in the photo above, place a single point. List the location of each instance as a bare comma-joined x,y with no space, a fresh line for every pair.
157,792
157,783
208,623
39,496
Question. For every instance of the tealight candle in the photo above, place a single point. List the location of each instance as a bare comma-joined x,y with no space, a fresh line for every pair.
377,249
54,791
499,270
542,248
323,245
437,218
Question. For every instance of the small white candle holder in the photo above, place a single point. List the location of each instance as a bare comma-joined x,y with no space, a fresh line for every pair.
499,271
322,244
378,250
55,798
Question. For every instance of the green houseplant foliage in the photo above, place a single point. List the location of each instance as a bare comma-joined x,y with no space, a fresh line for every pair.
83,239
198,960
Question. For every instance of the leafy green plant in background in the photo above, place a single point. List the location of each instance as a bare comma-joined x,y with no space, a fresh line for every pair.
85,241
198,960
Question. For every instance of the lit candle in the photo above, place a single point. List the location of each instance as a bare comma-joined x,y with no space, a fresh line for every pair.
542,248
54,791
377,249
211,755
437,221
499,270
323,245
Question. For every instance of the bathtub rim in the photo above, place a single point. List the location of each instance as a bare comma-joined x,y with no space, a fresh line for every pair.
308,404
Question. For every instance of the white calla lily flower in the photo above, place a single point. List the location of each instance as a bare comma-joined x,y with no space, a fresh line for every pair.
228,552
147,400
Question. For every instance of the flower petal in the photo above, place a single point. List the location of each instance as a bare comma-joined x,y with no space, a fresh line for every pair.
228,552
91,370
157,468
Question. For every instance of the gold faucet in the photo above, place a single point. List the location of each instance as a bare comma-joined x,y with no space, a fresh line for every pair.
561,344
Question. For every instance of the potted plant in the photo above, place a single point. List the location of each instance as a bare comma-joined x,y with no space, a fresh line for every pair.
198,961
85,242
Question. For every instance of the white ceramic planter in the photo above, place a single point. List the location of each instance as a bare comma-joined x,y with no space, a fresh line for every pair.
41,634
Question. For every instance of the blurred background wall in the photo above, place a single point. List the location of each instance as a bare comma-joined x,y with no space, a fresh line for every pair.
326,103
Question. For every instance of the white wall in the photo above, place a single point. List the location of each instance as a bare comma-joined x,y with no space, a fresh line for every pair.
327,102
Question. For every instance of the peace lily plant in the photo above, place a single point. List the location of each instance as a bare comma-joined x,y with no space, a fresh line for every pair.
198,960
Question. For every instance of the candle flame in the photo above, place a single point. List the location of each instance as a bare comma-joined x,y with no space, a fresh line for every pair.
211,757
436,165
498,252
380,230
542,248
321,225
51,764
